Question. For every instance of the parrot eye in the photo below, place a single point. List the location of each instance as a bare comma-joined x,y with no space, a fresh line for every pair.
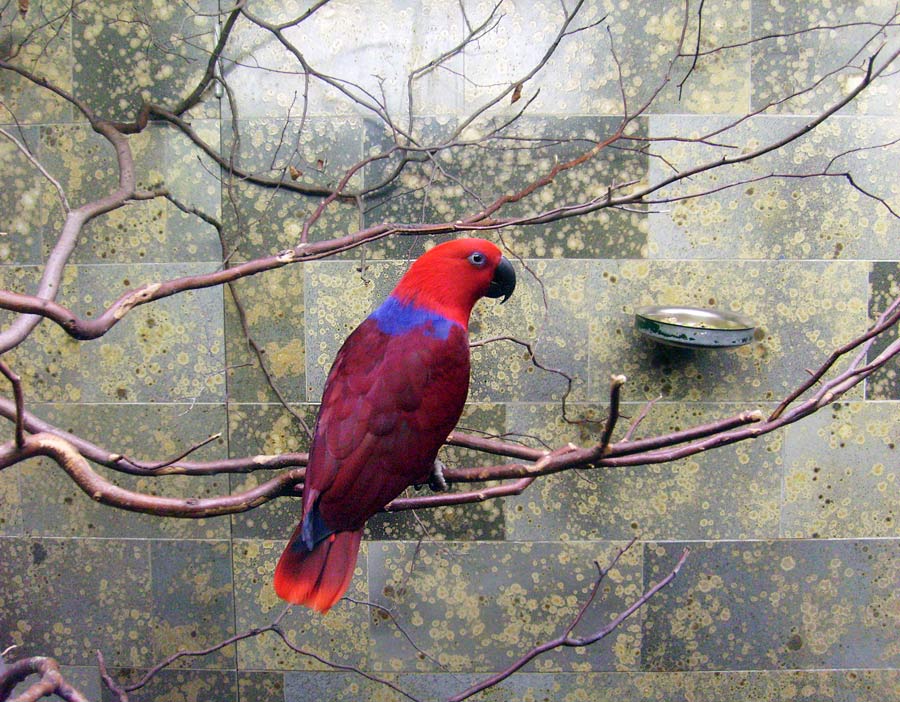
477,259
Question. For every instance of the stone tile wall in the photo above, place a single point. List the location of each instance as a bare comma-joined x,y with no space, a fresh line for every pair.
791,588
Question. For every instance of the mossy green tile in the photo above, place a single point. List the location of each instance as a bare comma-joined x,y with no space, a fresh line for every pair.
841,472
719,686
10,503
170,350
141,232
67,598
193,601
884,282
167,53
583,76
388,37
823,217
481,521
773,605
261,221
273,310
266,430
47,52
261,686
339,296
173,685
795,58
125,429
85,679
475,607
802,313
339,637
24,199
732,492
460,181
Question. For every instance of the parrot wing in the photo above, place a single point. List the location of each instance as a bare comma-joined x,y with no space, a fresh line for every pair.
389,403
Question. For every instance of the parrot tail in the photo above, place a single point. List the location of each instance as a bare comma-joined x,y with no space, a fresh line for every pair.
317,578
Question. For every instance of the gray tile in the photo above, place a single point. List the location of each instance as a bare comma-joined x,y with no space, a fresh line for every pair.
150,231
261,686
644,43
168,55
397,36
473,606
733,492
124,429
841,472
266,430
772,605
42,55
460,181
794,58
339,637
172,685
168,351
884,282
27,197
59,595
802,313
193,603
821,217
273,310
260,221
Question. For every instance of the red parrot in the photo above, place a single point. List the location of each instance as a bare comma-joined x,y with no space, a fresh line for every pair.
395,391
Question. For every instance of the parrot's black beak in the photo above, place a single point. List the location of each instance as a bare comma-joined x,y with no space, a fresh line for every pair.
504,281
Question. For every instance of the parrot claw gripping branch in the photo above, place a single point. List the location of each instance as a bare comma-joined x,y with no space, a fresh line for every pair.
394,393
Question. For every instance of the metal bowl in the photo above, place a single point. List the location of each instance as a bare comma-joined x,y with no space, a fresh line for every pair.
693,327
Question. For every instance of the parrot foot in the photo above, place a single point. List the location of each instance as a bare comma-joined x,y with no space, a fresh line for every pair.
436,482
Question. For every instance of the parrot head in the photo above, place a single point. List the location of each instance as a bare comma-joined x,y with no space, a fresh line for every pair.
450,278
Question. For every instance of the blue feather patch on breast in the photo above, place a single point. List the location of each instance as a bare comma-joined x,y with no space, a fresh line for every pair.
394,317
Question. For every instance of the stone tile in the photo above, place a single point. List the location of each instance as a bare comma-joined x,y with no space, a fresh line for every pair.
25,198
83,678
473,606
261,686
59,596
461,181
125,429
152,231
644,43
193,603
483,521
733,492
884,282
719,686
773,605
776,218
168,351
47,53
266,430
272,305
261,221
10,503
338,297
802,313
168,54
339,637
173,685
396,36
841,472
796,58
